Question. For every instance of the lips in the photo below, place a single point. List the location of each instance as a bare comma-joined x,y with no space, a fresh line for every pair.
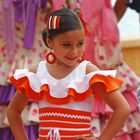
71,58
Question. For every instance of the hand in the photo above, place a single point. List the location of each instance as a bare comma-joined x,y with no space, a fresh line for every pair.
86,138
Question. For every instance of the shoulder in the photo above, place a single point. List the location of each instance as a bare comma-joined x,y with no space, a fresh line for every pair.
34,68
91,68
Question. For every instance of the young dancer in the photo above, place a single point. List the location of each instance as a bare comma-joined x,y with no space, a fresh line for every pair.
64,85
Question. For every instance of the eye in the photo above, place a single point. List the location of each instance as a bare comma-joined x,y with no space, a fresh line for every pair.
80,44
66,45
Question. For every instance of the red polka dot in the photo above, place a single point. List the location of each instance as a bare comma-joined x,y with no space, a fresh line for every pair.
30,61
17,45
33,49
124,75
2,49
39,42
10,62
40,55
132,80
3,73
101,57
128,86
128,70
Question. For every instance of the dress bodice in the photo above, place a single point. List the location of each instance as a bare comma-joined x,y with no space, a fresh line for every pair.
59,88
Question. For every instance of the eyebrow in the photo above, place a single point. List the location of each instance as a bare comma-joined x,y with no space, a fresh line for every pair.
64,41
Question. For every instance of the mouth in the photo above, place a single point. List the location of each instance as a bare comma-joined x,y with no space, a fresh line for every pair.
71,58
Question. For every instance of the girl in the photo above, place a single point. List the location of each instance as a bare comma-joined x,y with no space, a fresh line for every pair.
65,86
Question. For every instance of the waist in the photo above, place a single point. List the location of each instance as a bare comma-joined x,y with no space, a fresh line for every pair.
66,124
63,133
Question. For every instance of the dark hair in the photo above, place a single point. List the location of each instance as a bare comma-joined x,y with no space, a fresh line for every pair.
69,21
135,5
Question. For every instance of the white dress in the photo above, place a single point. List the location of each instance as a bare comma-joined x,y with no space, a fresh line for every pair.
65,105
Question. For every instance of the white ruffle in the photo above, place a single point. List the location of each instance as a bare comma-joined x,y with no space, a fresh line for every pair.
103,72
34,81
60,90
82,85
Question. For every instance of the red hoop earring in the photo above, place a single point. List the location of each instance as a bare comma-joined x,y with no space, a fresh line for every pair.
51,58
82,58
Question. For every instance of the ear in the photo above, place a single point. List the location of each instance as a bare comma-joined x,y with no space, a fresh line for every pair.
49,42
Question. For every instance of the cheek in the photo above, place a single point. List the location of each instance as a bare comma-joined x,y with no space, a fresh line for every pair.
60,52
82,50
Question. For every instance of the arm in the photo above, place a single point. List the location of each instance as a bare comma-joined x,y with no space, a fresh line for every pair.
15,109
121,111
117,102
120,8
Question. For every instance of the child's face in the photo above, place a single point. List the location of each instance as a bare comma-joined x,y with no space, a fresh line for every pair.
69,47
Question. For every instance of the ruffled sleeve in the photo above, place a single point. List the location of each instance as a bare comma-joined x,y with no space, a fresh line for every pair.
29,82
106,77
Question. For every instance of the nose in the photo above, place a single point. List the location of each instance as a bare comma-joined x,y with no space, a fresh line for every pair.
74,50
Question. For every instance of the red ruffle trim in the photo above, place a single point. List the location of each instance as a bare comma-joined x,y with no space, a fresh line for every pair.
22,84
